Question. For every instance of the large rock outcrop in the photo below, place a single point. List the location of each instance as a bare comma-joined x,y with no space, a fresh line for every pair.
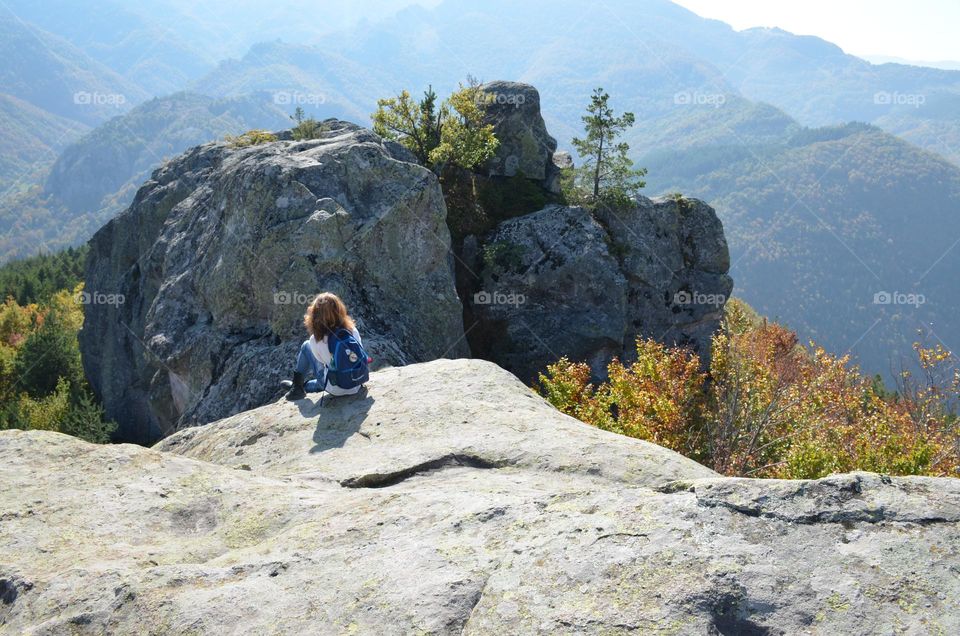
448,499
220,252
223,247
565,282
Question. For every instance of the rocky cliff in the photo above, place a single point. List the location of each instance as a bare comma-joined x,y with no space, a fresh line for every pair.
564,282
222,249
448,499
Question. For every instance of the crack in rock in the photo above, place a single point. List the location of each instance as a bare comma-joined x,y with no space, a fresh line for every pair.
392,478
844,500
633,535
876,515
475,601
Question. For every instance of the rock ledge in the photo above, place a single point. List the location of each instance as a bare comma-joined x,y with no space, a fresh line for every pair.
448,499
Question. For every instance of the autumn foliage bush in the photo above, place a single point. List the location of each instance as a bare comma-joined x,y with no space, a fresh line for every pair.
770,407
42,386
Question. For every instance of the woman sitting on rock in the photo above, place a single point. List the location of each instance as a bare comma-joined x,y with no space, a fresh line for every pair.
334,353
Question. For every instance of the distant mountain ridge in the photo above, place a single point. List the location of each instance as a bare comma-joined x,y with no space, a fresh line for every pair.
53,74
624,47
97,176
812,80
947,65
30,139
847,234
164,45
118,156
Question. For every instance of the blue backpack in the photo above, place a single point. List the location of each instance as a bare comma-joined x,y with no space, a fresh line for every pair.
348,366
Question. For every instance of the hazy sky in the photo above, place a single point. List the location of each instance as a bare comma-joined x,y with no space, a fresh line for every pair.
923,30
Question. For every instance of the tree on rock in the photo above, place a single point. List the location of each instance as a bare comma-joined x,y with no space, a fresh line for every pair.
416,125
606,171
451,133
306,128
465,140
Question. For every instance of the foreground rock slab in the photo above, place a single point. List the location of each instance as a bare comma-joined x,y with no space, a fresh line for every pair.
450,500
422,418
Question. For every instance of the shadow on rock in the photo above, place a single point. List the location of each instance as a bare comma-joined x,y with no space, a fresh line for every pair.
340,418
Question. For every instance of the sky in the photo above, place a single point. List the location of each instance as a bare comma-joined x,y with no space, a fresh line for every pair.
920,30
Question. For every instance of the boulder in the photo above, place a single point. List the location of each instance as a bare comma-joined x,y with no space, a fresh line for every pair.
448,499
560,161
550,287
220,252
674,255
525,145
565,282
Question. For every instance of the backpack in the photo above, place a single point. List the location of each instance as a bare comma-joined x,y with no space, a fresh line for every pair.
348,366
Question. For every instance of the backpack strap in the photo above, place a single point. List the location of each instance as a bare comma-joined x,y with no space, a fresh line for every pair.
332,335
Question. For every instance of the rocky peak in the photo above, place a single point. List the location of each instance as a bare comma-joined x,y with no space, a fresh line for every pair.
565,282
525,145
223,248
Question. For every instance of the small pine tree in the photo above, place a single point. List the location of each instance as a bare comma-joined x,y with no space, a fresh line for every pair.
48,354
85,419
415,125
606,171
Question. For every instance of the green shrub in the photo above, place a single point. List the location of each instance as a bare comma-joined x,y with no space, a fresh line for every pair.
503,255
683,205
307,127
452,134
49,354
67,409
85,419
251,138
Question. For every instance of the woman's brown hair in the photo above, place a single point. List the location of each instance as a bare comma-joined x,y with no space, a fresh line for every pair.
326,314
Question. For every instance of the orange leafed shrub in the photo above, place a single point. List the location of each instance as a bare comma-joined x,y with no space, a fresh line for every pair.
769,407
